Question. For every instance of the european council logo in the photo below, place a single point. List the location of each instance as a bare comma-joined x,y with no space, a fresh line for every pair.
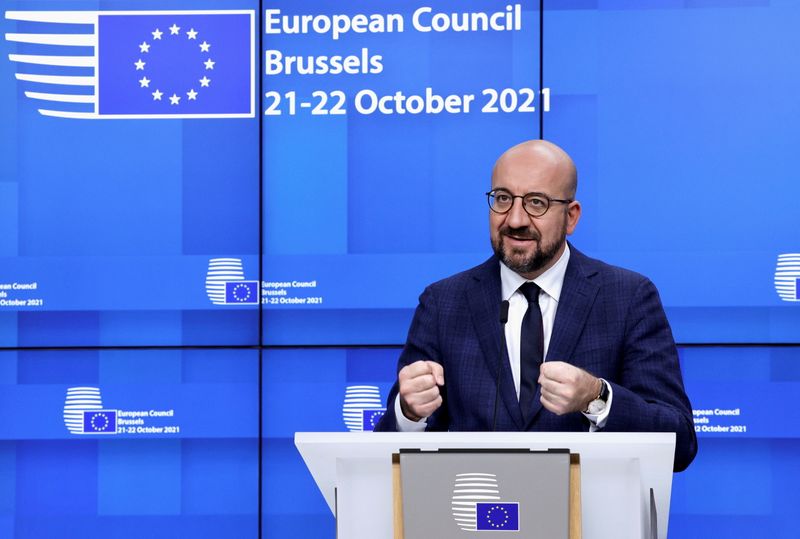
137,64
362,408
787,277
226,285
476,504
84,413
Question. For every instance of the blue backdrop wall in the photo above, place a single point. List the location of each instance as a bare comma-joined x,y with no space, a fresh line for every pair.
215,223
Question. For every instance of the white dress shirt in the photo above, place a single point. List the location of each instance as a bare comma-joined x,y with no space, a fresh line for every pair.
550,283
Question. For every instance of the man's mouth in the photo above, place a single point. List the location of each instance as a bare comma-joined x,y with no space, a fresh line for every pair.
520,236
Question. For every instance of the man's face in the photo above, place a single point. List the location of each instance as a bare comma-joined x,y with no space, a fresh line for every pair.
531,245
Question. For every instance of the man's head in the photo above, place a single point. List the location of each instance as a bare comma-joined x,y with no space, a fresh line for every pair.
531,245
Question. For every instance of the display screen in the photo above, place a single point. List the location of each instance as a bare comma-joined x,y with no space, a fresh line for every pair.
99,443
684,170
128,218
367,203
740,481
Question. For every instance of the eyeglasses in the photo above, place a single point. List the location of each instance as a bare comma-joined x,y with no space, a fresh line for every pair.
535,204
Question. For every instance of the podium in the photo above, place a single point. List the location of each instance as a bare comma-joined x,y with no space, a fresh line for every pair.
626,478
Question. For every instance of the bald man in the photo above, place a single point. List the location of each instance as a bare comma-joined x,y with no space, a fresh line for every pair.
540,337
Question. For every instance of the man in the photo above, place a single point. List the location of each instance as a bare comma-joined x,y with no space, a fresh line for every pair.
586,347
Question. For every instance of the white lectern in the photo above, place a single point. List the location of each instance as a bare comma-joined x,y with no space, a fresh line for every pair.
354,472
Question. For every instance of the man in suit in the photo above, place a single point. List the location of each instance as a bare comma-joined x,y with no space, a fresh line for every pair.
586,346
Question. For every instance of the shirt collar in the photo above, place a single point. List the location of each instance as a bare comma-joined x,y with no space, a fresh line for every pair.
550,281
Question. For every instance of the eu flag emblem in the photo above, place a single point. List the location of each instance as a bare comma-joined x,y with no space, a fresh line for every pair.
497,516
370,418
100,422
241,293
174,64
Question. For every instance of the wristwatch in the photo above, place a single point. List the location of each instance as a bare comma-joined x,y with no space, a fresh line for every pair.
598,404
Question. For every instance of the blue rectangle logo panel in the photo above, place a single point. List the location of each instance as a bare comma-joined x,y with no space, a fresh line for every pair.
241,292
182,64
100,422
497,516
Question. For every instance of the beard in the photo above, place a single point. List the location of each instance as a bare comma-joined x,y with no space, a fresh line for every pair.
524,262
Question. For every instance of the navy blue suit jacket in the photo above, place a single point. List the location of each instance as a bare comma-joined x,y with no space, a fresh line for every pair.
609,322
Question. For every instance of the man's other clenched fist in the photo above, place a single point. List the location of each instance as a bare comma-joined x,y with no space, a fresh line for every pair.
419,389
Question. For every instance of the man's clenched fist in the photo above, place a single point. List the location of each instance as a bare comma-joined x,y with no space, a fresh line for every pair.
419,389
566,388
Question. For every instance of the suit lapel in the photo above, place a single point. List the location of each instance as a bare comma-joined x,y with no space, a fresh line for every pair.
577,297
484,298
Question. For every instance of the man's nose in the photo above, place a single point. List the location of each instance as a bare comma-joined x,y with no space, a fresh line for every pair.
517,216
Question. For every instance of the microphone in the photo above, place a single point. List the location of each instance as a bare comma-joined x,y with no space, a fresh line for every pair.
503,320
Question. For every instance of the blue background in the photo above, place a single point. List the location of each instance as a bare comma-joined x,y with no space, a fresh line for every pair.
682,118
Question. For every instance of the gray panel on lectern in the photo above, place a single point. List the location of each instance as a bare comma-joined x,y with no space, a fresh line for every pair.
485,494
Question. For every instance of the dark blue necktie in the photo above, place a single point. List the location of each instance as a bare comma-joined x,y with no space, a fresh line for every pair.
531,348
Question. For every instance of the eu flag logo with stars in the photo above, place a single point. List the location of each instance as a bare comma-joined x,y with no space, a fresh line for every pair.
100,422
370,418
139,64
241,292
174,64
498,516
